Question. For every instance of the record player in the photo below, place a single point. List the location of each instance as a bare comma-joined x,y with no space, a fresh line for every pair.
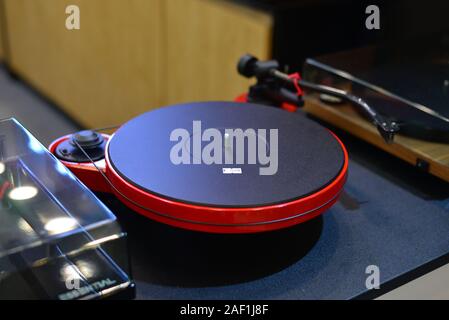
266,224
228,192
232,193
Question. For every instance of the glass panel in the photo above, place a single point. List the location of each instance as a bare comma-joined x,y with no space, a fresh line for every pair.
408,83
52,228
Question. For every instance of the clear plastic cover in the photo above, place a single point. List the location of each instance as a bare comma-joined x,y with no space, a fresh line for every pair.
408,82
57,240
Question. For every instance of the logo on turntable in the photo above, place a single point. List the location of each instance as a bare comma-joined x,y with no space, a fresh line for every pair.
226,146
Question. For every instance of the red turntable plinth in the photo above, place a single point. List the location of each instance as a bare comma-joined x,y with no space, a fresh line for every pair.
285,170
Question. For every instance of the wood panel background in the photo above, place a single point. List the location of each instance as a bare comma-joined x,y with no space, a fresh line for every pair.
2,30
133,55
205,39
2,53
104,73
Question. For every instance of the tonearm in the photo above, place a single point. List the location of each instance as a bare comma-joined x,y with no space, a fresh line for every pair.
275,86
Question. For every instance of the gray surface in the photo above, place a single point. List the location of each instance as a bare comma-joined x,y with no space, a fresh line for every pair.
379,223
37,115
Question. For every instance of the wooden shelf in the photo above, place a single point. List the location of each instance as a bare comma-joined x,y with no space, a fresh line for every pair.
436,155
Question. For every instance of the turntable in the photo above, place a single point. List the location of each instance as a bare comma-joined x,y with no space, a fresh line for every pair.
234,191
262,236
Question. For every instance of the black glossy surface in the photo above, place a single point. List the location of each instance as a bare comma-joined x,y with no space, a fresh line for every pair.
309,156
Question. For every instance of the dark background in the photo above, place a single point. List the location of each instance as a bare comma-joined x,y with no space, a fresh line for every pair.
306,29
